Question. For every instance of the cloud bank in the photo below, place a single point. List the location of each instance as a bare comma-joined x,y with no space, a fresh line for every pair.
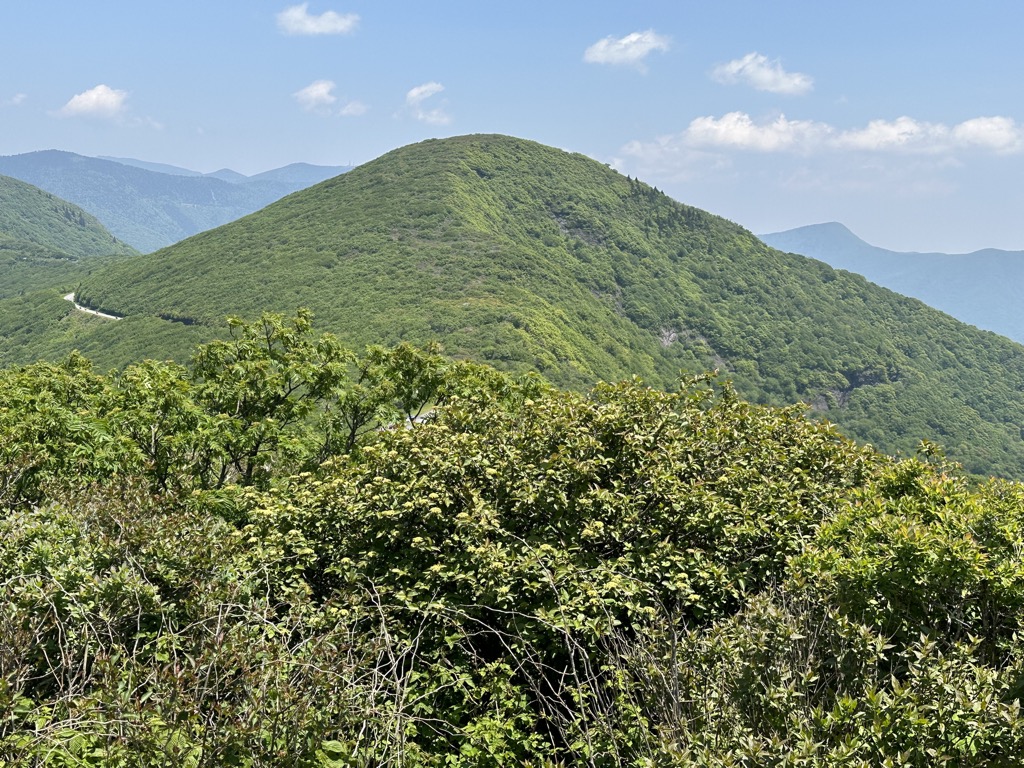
738,131
297,20
758,72
904,157
630,50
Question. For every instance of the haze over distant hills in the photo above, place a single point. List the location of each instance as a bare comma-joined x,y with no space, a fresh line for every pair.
293,173
150,205
984,288
535,259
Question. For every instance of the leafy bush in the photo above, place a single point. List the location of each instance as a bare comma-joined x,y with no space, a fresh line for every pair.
290,554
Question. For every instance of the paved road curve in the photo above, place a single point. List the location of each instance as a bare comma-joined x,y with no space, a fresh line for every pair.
71,297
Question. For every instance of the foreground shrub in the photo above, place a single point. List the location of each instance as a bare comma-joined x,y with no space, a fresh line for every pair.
397,560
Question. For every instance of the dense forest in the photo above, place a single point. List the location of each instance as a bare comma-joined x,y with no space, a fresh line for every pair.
253,545
45,224
287,553
46,241
529,258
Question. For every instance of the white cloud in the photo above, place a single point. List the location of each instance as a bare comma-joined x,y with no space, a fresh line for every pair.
297,20
630,50
420,93
353,109
708,145
16,100
901,134
101,101
319,96
414,100
316,95
1000,134
757,71
435,116
904,134
738,131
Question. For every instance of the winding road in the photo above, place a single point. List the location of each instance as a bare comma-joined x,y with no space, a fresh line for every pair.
71,297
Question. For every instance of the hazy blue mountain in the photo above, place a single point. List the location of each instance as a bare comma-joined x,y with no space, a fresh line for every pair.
302,174
226,174
984,288
173,170
149,209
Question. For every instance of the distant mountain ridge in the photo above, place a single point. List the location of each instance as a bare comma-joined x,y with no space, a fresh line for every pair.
173,170
150,209
984,288
294,173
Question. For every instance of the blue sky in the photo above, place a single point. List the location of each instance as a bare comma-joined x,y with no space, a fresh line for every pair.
903,120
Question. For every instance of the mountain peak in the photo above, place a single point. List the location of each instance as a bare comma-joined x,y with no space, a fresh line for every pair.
535,259
832,235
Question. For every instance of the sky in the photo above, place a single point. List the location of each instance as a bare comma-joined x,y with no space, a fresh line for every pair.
903,120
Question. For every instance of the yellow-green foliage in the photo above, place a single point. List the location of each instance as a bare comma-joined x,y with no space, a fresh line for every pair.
290,554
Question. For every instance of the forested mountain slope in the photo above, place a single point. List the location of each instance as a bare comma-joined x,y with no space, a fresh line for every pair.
31,216
984,288
44,240
535,259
